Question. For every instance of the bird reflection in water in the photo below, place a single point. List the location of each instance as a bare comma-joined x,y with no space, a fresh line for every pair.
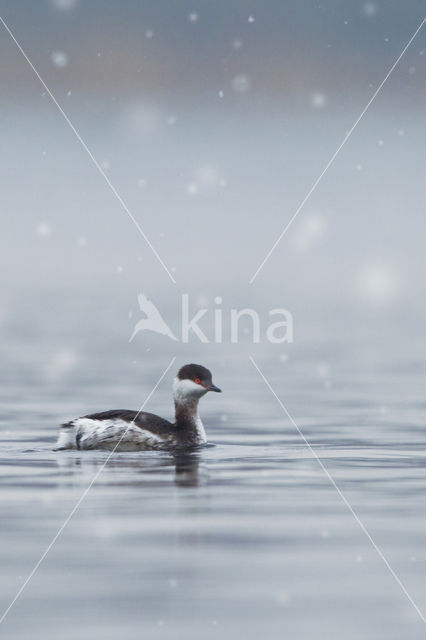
143,469
187,472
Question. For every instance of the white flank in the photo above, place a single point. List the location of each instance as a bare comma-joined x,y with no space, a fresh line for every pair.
105,434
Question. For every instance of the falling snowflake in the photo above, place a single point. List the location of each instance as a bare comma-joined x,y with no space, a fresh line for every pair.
378,284
64,5
369,9
206,178
59,59
192,189
311,229
60,363
43,230
251,19
241,83
283,597
193,17
149,34
318,100
144,119
323,370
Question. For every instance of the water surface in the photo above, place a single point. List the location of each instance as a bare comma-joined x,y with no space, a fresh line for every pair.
241,538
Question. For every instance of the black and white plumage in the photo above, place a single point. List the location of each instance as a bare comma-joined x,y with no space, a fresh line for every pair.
132,430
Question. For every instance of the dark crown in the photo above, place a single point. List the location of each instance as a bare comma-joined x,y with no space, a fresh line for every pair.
194,371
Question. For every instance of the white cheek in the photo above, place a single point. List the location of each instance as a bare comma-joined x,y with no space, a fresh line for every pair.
187,389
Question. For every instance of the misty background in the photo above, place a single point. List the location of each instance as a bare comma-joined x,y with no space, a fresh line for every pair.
212,121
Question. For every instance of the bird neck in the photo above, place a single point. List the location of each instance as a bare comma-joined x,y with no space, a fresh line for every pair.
186,411
187,418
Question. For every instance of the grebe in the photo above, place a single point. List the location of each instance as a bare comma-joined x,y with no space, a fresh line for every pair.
133,430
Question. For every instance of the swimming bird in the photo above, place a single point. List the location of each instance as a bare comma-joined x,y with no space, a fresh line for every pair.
125,430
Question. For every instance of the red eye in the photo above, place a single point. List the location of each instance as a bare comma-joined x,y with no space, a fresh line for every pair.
197,380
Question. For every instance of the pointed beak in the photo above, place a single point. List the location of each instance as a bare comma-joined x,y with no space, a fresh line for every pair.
213,387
